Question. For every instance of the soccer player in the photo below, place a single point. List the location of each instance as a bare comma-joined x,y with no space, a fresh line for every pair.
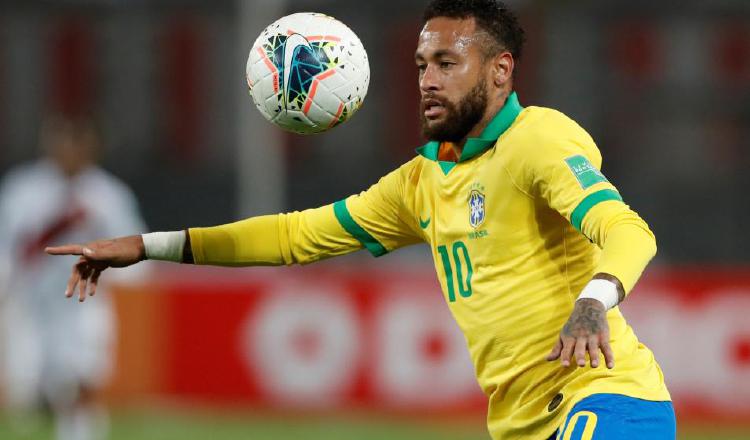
533,246
55,354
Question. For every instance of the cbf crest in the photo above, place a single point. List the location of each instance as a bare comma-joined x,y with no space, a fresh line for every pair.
476,206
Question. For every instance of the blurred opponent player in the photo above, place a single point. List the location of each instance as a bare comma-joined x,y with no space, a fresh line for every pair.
527,235
55,354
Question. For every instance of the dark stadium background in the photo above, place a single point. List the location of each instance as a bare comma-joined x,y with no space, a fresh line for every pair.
663,87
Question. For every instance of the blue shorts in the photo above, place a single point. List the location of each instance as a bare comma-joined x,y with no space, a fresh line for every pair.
618,417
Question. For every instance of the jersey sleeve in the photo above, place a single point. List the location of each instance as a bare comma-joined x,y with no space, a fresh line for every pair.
565,171
627,242
298,237
379,218
372,219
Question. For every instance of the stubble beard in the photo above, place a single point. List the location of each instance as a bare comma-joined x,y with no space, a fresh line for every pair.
459,119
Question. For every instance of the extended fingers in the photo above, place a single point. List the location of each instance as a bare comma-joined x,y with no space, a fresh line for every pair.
569,347
580,351
94,281
68,249
568,344
555,353
75,276
593,348
85,274
609,356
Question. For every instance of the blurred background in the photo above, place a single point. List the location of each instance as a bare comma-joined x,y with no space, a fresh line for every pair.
664,89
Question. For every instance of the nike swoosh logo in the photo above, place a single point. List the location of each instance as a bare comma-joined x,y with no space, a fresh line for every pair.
292,42
424,223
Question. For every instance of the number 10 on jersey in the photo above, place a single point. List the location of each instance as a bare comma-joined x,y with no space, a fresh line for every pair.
460,265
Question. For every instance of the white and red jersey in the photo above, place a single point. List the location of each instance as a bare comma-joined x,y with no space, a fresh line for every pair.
49,336
40,207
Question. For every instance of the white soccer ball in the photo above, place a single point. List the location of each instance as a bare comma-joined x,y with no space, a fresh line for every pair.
307,72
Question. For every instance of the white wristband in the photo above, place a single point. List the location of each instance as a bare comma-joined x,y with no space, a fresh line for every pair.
604,291
166,246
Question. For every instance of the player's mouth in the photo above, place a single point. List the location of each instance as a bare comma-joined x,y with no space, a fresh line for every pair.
433,108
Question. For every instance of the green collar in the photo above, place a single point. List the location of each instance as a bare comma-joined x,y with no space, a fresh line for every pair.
474,146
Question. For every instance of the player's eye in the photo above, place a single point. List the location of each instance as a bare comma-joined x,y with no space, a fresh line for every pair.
421,67
446,64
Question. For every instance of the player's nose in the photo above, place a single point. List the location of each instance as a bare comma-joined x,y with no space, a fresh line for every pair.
429,80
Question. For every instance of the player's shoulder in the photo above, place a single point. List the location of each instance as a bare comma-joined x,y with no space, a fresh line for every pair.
412,171
547,124
414,165
544,133
405,178
407,170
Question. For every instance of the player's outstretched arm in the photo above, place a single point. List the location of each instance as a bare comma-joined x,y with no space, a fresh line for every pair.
298,237
268,240
97,256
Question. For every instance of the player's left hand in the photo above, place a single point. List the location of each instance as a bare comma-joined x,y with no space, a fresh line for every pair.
587,330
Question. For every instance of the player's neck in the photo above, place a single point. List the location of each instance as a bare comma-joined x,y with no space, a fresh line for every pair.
493,107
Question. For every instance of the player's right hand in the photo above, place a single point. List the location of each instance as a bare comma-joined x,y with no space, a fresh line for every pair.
95,257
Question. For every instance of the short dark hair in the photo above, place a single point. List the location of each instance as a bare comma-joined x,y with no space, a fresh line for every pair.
492,16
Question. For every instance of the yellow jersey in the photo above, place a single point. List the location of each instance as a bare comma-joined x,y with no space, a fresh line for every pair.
511,225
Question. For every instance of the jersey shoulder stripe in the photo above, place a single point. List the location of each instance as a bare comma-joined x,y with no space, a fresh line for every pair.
350,225
580,211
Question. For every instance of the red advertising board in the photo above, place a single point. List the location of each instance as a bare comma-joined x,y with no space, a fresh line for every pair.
317,340
357,337
697,322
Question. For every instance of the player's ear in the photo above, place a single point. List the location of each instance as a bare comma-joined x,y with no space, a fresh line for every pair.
502,68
